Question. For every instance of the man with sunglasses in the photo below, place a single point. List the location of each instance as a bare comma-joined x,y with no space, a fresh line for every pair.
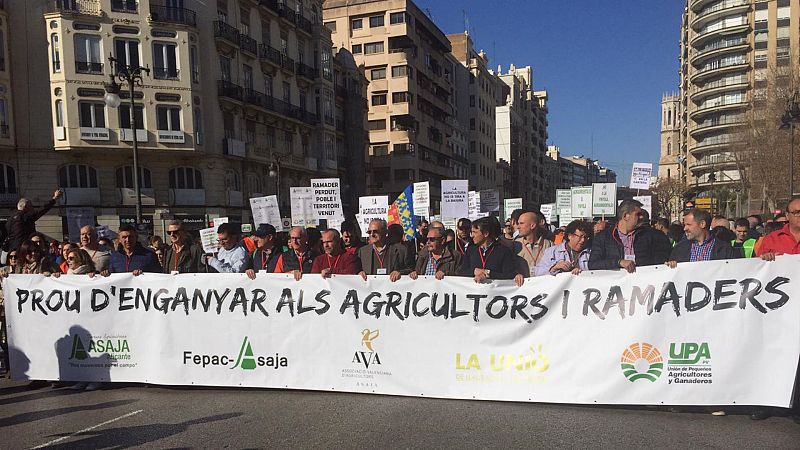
380,257
300,258
436,258
335,261
181,256
572,255
463,240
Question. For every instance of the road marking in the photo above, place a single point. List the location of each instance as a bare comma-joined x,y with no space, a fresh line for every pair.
55,441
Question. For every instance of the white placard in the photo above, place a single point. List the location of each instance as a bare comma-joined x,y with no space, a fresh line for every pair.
266,210
604,199
509,205
450,224
327,200
208,238
647,203
563,200
581,202
370,208
640,175
701,334
422,199
78,218
455,199
474,200
489,201
549,212
302,211
219,221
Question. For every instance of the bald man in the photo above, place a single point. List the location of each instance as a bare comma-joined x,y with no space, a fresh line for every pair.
530,243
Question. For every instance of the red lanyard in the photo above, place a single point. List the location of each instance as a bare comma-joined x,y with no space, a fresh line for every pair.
460,247
335,263
704,251
300,258
483,259
625,247
264,260
538,252
127,262
175,260
380,260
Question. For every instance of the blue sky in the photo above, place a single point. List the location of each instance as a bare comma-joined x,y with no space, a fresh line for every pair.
604,64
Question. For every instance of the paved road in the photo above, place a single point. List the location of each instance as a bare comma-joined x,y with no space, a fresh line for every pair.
160,417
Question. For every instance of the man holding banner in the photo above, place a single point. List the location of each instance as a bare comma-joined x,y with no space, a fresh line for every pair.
380,257
300,258
436,258
232,256
572,255
182,256
488,259
132,257
335,261
265,256
700,244
530,242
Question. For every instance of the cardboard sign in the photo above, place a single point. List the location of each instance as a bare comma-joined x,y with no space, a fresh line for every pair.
604,199
640,175
422,199
455,198
327,200
265,210
301,203
581,202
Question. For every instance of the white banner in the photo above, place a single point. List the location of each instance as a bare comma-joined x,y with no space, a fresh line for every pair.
713,333
327,202
549,212
640,175
604,199
509,205
455,200
266,210
302,212
489,201
581,202
422,199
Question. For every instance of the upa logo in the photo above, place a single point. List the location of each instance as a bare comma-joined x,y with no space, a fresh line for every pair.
116,348
370,356
689,363
641,361
689,353
246,359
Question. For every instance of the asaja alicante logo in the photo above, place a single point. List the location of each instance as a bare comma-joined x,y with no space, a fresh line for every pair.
116,348
642,361
370,356
245,360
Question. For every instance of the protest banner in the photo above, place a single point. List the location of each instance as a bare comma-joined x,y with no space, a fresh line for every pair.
327,201
509,205
216,222
489,201
640,175
549,212
455,199
422,199
208,239
302,211
647,203
581,202
708,333
474,201
604,199
266,210
370,208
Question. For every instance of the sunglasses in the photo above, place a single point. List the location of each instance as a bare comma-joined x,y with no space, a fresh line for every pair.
433,239
72,258
292,238
374,232
170,233
12,256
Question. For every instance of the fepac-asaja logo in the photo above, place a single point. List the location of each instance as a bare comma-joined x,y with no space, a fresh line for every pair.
642,361
245,360
369,357
116,348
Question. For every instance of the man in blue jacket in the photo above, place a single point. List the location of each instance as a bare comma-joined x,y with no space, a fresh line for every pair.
131,256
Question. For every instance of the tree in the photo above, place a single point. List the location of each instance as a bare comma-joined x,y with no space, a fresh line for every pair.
668,194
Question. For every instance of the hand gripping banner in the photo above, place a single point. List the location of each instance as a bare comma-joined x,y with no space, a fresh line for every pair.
714,333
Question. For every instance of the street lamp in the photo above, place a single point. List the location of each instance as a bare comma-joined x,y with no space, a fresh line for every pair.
789,118
133,75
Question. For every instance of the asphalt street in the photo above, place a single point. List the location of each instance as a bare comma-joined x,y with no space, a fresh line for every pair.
168,417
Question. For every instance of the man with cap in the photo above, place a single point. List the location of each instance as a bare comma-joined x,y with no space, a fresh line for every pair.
265,256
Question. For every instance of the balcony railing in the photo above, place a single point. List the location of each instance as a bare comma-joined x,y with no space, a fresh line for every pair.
229,90
307,71
268,53
287,63
4,131
718,159
224,31
94,68
719,45
165,73
269,4
168,14
85,7
253,97
124,6
718,7
248,44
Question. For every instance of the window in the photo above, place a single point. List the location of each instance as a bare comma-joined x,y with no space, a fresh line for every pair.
373,47
356,49
168,118
59,113
8,179
2,52
125,116
288,138
401,97
357,24
185,178
401,71
380,150
127,52
284,43
233,181
762,15
93,115
783,12
268,84
124,178
397,17
55,52
287,92
247,76
378,74
266,36
376,125
244,21
78,176
331,26
194,61
378,99
165,61
376,21
88,57
198,126
225,68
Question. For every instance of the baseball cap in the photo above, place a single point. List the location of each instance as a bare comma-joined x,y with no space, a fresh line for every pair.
264,230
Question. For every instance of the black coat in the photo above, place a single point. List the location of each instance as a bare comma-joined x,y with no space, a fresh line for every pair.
22,224
500,260
650,246
682,251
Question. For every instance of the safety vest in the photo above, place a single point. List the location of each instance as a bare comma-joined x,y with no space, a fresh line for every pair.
747,247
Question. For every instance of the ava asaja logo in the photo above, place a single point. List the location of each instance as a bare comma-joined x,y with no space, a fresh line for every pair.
116,347
370,356
642,361
245,360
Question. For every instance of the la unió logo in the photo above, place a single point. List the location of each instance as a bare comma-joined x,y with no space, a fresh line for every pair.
641,361
245,360
369,356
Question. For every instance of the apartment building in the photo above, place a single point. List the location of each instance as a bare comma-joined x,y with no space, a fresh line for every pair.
404,55
239,102
578,170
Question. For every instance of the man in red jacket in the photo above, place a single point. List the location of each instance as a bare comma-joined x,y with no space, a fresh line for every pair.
335,261
785,241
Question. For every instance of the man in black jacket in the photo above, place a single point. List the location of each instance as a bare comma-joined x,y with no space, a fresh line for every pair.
627,245
22,224
700,244
487,258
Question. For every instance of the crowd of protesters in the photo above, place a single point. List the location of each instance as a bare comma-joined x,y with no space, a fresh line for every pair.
526,246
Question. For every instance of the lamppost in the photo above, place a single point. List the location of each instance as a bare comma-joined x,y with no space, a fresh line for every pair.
133,75
275,172
789,118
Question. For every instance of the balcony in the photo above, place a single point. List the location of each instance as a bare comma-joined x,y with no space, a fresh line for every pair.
79,7
717,32
714,162
234,147
226,33
125,135
306,71
91,68
81,196
716,108
248,44
127,196
304,25
165,73
287,63
269,54
168,14
713,145
718,48
719,69
229,90
259,99
124,6
187,197
718,10
5,133
271,5
95,134
698,93
170,136
709,126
